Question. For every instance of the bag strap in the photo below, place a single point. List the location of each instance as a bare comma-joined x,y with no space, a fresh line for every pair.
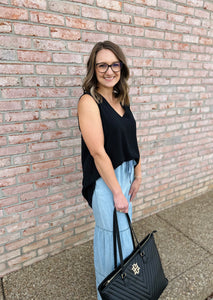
116,237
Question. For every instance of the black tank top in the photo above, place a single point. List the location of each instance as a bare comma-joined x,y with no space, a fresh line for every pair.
120,144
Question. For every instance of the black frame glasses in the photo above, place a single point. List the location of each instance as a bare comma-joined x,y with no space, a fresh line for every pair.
103,67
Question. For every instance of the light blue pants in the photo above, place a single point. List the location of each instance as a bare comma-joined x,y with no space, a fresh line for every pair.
103,206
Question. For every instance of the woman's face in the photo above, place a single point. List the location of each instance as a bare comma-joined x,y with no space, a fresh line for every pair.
109,78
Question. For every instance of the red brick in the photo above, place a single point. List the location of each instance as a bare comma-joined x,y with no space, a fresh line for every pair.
20,207
167,5
68,81
50,217
66,58
49,182
21,116
41,126
34,194
9,220
50,199
35,229
46,165
64,7
133,9
93,37
90,12
50,70
17,189
208,5
16,69
19,244
144,43
19,93
65,34
53,92
185,10
206,41
38,81
154,34
165,25
126,41
29,29
113,5
9,255
21,260
12,150
120,18
39,4
49,233
15,42
145,22
49,44
173,36
5,27
175,18
7,182
9,81
53,249
13,13
35,212
10,172
46,18
34,56
10,105
34,246
55,114
108,27
154,13
4,162
79,48
129,30
42,146
200,13
55,135
80,23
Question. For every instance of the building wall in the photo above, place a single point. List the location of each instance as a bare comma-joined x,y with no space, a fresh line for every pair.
44,45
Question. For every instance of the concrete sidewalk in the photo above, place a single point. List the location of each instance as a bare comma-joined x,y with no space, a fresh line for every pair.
185,242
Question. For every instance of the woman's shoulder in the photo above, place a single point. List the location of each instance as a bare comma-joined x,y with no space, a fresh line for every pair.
87,102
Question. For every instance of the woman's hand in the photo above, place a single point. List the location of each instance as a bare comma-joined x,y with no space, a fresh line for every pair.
135,187
121,203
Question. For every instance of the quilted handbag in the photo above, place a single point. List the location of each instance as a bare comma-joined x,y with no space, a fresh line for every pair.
138,277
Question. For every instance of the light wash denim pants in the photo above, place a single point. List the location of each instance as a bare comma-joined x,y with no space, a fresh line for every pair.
103,206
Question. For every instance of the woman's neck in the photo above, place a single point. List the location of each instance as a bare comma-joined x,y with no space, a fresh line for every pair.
108,95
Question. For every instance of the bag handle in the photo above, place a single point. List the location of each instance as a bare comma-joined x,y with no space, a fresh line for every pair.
116,236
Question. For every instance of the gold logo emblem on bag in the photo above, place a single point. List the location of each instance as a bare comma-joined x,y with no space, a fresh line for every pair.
135,268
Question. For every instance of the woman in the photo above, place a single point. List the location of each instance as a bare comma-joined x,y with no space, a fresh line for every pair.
110,155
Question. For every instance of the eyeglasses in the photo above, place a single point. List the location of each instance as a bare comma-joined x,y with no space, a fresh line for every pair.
103,67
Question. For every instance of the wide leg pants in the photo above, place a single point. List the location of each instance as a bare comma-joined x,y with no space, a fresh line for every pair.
103,206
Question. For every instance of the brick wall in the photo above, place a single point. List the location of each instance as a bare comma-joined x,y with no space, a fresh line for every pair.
44,45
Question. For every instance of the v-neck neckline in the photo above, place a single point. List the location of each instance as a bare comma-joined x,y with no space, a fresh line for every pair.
121,116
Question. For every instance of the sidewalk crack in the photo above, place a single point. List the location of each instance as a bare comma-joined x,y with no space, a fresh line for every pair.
2,288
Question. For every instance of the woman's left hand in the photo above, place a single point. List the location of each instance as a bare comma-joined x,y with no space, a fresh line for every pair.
134,187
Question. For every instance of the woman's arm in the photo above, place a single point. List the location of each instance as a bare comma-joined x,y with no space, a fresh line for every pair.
137,181
92,132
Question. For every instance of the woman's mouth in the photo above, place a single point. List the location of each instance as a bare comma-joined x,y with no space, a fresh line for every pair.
109,78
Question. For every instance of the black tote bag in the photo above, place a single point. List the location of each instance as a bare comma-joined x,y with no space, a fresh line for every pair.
140,276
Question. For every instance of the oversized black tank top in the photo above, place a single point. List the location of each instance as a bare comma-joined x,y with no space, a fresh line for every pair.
120,144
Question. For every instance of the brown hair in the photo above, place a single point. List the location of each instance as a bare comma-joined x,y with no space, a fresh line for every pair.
90,82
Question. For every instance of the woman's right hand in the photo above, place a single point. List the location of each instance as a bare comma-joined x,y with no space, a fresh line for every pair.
121,203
